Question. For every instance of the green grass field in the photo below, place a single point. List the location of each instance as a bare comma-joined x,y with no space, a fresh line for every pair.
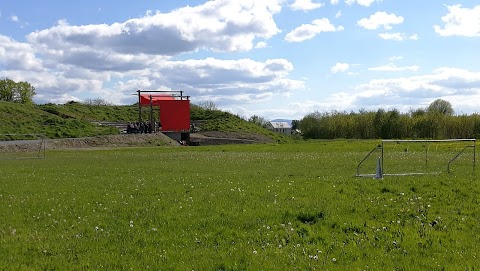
249,207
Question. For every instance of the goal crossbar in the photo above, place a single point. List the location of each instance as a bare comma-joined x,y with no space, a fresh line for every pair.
471,144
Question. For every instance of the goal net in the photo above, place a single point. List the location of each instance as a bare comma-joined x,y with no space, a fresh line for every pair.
415,157
22,146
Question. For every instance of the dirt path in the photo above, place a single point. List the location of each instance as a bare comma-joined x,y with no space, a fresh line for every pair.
135,140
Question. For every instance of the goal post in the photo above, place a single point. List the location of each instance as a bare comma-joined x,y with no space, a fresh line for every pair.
22,146
416,157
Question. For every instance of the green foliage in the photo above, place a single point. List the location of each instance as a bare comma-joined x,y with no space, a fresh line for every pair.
216,120
389,125
200,113
261,207
260,121
92,112
441,107
78,120
56,121
18,92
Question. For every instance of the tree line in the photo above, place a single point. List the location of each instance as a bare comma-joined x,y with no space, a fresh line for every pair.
17,92
437,121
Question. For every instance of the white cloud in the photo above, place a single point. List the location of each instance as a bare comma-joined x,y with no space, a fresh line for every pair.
442,82
222,25
334,2
243,80
397,36
395,58
226,81
309,31
14,18
338,15
18,56
68,62
305,5
458,86
460,22
340,67
261,44
380,19
365,3
394,68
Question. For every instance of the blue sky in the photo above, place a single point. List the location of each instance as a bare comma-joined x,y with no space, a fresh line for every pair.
273,58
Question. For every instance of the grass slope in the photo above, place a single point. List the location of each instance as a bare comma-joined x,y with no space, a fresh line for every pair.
50,120
216,120
75,120
249,207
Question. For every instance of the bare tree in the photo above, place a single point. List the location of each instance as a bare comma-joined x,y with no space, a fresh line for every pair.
208,105
97,102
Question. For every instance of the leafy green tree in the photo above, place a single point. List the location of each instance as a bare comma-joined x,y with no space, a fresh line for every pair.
378,122
260,121
310,125
25,92
441,106
21,92
7,87
295,124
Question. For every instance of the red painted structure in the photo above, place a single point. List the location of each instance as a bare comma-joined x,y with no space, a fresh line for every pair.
174,110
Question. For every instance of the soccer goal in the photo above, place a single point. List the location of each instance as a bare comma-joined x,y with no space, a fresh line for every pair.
416,157
22,146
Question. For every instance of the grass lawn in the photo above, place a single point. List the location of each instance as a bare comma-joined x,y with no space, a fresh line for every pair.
238,207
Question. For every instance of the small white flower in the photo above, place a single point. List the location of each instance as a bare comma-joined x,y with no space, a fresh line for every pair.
334,259
254,252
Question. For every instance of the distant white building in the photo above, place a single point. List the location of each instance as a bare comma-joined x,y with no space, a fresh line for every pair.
281,127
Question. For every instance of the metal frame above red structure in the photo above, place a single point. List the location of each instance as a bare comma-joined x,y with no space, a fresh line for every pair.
174,109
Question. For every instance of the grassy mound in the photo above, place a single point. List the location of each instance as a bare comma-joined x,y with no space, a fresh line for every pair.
72,120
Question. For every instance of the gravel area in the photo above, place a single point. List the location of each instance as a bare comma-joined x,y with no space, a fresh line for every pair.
131,140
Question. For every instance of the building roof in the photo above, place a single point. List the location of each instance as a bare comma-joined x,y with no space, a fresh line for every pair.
145,98
280,125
